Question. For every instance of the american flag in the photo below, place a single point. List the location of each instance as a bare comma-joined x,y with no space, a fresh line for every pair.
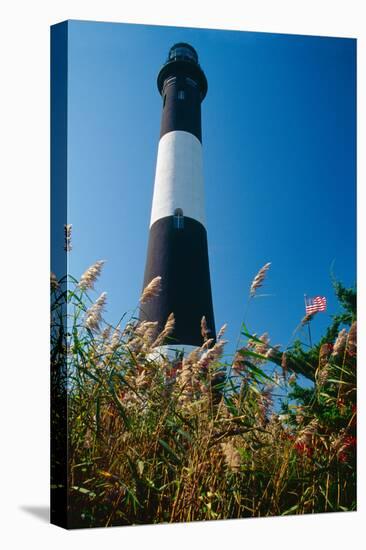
312,305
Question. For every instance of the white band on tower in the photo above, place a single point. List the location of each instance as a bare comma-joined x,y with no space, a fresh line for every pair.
179,177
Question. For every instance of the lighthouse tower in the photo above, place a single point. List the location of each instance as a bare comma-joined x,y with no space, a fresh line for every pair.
177,249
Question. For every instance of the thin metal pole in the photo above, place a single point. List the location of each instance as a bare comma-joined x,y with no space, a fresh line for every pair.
308,323
311,344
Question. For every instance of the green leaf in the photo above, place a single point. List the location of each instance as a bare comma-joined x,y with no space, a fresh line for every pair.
91,494
119,405
325,497
290,510
245,351
259,372
170,451
231,407
140,467
246,333
130,494
186,435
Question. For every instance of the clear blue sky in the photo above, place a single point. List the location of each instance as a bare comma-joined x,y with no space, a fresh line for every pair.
279,164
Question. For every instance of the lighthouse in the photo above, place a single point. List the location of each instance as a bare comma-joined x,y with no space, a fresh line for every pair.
177,247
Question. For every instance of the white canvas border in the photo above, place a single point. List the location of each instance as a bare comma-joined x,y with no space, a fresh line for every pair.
25,267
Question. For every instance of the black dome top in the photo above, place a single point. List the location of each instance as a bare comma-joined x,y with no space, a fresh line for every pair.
182,50
183,60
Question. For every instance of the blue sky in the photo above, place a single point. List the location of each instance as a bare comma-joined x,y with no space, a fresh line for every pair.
279,164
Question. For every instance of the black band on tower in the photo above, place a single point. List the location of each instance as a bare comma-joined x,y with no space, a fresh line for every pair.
182,85
181,106
180,256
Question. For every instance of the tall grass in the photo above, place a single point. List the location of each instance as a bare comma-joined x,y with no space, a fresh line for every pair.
152,439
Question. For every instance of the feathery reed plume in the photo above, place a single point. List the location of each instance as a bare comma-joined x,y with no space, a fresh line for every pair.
67,232
308,317
187,380
147,330
112,342
322,372
212,354
222,331
266,398
232,456
105,334
340,343
151,290
89,277
258,279
261,348
167,330
306,434
321,375
193,357
54,282
299,417
206,344
324,353
169,325
338,441
343,443
272,352
135,344
292,378
141,380
186,372
141,328
352,339
204,328
93,315
116,337
239,364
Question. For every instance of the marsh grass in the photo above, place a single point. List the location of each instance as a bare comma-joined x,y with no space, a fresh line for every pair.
159,440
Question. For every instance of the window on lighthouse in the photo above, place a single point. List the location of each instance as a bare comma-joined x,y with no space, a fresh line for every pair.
181,94
178,218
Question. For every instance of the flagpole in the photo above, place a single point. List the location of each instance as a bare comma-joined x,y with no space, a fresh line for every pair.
308,323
